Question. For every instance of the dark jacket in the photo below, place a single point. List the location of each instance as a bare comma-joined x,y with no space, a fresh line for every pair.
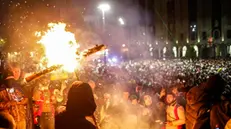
199,103
197,115
80,104
220,114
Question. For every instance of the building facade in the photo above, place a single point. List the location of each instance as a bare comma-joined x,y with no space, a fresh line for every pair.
226,26
213,23
172,28
201,28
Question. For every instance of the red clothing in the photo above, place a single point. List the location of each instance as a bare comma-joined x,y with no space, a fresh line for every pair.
175,115
40,104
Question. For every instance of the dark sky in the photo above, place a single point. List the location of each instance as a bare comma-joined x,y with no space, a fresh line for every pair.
20,19
192,10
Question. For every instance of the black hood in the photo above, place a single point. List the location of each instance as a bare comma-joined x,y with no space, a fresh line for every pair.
80,100
215,84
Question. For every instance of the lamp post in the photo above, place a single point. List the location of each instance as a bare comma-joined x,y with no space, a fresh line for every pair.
104,7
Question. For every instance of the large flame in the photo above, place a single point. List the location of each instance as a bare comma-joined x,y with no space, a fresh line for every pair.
60,46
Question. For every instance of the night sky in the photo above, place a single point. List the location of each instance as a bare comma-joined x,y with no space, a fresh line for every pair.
19,19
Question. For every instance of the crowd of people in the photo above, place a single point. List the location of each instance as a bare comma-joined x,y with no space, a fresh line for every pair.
151,94
156,79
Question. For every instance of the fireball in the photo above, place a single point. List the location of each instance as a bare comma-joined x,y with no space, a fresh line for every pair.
60,46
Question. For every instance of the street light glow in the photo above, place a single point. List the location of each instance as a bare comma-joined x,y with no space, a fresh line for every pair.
114,59
104,7
121,21
193,30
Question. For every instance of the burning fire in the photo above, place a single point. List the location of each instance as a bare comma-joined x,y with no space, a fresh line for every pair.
60,46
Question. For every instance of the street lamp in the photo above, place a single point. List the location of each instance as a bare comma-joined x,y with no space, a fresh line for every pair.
104,8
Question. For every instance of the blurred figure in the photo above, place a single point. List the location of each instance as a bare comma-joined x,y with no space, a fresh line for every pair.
61,94
114,113
45,100
158,115
162,95
79,110
105,112
179,97
147,101
175,113
175,91
145,117
134,100
130,118
125,101
13,101
203,101
138,92
126,95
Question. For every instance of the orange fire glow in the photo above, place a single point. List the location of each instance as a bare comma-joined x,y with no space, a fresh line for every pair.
60,46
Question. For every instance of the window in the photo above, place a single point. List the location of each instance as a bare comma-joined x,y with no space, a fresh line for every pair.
229,34
204,35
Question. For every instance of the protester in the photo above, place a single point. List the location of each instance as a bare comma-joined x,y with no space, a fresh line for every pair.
139,93
175,113
200,101
45,101
13,102
79,110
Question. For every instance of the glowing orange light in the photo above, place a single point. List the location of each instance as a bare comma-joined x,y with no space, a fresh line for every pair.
60,46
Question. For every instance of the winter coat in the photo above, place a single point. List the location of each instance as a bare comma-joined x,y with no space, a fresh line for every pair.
200,102
197,115
220,114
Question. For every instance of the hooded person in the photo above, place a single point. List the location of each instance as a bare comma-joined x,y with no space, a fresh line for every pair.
200,100
79,109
